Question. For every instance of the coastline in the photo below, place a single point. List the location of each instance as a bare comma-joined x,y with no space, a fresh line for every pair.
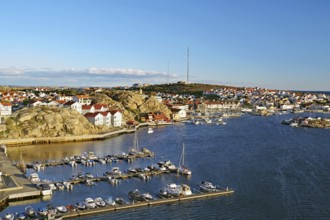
77,138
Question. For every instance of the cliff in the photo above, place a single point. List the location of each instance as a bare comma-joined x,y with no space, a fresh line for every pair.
45,121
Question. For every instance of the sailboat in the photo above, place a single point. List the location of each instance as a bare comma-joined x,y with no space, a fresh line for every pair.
135,149
182,169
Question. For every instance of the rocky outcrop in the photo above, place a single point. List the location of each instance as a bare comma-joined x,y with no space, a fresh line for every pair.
45,121
131,103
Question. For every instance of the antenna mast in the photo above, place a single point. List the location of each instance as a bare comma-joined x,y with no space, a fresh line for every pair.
187,65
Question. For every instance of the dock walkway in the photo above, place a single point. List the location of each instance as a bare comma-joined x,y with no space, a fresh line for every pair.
14,185
146,204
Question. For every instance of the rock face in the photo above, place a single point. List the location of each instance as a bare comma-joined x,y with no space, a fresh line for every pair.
112,104
45,121
135,103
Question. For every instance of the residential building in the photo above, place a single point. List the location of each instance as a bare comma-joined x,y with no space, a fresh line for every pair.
116,119
83,99
5,108
95,118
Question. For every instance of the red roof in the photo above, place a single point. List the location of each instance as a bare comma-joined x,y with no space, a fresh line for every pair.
6,103
104,113
91,115
87,107
99,106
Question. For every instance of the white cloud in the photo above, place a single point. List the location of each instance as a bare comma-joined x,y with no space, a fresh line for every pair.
78,77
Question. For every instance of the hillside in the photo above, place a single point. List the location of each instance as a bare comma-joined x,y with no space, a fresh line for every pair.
177,88
44,121
131,103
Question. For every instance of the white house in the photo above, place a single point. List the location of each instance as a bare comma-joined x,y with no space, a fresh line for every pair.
95,118
106,118
87,109
178,114
5,108
100,107
83,99
64,98
116,119
38,103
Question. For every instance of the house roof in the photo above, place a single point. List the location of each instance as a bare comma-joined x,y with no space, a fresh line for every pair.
104,113
6,103
69,103
87,107
83,96
91,115
99,106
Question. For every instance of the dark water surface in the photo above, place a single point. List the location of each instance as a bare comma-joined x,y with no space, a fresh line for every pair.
277,172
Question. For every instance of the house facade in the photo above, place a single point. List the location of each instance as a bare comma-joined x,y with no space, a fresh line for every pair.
83,99
116,119
95,118
5,108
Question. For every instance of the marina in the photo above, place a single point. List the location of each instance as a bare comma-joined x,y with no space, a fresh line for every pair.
266,166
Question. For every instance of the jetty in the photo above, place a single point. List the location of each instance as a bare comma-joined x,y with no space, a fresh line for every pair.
146,203
14,185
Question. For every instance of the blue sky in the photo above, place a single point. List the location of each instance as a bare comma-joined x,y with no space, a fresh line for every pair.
277,44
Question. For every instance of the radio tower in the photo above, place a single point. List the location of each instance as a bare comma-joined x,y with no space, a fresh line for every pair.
187,65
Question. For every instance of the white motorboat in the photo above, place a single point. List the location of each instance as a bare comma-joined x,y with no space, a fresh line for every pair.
9,216
109,201
80,206
34,178
46,189
42,211
163,194
207,186
59,186
61,209
99,202
89,203
172,189
29,211
68,185
150,131
185,190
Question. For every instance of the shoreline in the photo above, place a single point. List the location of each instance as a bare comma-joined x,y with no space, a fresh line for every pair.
77,138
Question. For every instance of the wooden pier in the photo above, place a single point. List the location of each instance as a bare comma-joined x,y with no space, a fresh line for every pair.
14,185
146,204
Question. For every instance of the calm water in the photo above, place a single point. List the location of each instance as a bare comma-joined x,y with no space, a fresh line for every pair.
277,172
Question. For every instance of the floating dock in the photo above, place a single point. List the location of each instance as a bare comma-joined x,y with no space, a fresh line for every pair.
146,204
13,183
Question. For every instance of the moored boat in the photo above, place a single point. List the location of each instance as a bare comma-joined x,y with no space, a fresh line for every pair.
89,203
109,201
9,216
61,209
99,202
121,201
80,206
30,212
172,189
34,178
207,186
185,190
21,216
